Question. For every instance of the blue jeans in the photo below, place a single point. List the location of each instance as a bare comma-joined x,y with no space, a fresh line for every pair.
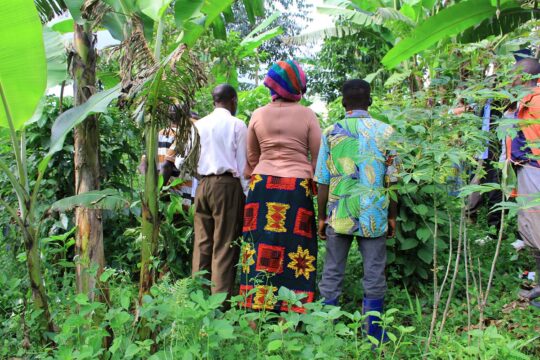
373,252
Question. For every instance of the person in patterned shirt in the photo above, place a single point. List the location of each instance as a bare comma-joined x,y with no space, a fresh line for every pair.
354,169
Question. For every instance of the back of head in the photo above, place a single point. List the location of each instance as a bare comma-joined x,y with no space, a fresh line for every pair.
528,66
224,94
356,94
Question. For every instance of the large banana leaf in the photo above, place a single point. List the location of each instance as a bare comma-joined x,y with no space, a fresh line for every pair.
448,22
56,57
508,20
74,7
254,8
97,103
48,9
23,66
154,8
201,17
108,199
186,9
255,38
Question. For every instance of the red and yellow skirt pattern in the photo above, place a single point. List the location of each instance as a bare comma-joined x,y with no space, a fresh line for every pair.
280,242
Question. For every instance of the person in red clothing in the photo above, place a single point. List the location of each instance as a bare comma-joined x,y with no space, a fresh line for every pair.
524,152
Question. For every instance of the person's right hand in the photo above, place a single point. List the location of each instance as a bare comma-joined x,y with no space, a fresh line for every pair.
322,229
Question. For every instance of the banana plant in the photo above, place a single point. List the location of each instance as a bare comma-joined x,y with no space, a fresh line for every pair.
23,78
26,67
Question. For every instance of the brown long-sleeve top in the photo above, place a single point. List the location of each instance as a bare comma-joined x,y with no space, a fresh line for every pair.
283,140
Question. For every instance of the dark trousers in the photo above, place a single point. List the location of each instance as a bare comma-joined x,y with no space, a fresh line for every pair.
491,198
373,252
219,207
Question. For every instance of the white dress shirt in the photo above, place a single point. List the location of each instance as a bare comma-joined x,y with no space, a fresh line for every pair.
223,145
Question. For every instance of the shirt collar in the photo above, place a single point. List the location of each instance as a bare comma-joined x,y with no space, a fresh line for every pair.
222,111
357,114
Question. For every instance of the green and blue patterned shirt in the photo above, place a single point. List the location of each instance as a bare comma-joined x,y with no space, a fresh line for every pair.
354,160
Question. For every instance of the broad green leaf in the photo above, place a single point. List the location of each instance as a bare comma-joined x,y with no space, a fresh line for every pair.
423,234
370,77
131,350
425,254
107,199
106,275
213,8
192,32
408,244
23,66
421,209
154,8
228,14
109,79
186,9
98,103
262,26
63,27
74,7
397,78
114,23
274,345
509,20
249,10
448,22
218,27
56,57
250,44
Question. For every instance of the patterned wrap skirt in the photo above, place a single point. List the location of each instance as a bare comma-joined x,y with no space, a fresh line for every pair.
280,242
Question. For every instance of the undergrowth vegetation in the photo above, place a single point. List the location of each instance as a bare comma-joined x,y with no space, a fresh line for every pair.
453,279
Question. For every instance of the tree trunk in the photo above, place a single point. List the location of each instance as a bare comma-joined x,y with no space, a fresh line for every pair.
37,284
89,237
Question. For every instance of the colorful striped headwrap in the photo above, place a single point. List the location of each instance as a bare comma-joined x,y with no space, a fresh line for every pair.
286,80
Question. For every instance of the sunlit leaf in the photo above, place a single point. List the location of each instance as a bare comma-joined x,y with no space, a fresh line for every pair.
23,66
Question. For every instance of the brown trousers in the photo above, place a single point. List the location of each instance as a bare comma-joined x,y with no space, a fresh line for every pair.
219,210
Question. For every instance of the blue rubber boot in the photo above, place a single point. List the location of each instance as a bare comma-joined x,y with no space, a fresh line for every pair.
373,329
333,302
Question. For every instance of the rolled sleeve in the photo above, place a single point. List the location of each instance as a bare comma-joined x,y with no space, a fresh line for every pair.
322,174
170,154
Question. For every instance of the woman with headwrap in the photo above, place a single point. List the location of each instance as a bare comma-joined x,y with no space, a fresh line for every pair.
280,241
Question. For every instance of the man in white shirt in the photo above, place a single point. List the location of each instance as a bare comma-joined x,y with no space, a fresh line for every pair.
219,199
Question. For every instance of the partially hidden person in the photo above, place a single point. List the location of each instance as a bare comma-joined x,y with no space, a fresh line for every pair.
524,152
219,198
170,159
355,167
280,240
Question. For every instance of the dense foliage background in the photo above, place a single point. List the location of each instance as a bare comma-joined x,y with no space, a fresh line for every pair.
442,302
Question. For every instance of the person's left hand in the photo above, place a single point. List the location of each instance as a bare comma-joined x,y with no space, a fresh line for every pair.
322,229
391,228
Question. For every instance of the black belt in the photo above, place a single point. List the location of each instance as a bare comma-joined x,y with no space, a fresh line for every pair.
224,174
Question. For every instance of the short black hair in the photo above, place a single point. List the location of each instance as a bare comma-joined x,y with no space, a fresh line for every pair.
529,66
224,93
356,92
